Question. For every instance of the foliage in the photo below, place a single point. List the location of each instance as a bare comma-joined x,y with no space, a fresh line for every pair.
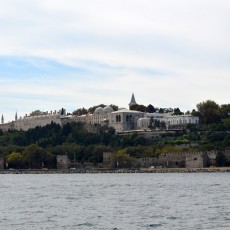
168,149
33,156
39,147
137,107
36,113
151,109
225,111
209,111
83,111
15,160
80,111
177,111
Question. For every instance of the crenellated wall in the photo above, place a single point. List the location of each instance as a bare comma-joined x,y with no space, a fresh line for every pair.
178,160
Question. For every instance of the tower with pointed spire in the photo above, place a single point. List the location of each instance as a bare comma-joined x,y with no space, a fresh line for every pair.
133,101
2,120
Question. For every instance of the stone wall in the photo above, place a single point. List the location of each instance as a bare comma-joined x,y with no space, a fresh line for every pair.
63,162
170,160
196,161
1,164
31,122
108,161
7,126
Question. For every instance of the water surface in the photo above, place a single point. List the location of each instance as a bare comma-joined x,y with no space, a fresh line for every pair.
115,201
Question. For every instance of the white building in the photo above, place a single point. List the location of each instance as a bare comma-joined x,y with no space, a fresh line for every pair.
168,119
122,120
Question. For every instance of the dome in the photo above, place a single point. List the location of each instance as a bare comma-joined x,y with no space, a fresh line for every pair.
98,110
143,123
144,119
108,109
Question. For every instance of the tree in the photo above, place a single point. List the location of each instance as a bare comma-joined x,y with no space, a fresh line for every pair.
15,160
49,160
220,159
196,113
35,113
92,109
134,107
225,111
80,112
114,107
33,156
161,110
150,109
137,107
177,111
122,159
209,111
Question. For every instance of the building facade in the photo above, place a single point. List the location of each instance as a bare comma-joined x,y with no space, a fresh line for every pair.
122,120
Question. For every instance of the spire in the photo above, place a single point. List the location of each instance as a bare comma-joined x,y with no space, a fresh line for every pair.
2,120
133,101
16,116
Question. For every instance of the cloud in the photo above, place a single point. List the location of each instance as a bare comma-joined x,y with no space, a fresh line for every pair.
70,54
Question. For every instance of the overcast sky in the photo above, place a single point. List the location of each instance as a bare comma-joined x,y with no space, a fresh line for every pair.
81,53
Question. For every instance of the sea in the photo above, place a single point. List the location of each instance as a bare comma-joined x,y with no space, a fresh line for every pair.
115,201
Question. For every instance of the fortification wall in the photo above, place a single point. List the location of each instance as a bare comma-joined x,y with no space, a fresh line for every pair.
63,162
7,126
178,160
31,122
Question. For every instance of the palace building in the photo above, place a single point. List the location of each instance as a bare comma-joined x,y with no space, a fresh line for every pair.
122,120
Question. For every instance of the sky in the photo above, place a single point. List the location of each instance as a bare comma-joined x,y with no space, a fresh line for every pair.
81,53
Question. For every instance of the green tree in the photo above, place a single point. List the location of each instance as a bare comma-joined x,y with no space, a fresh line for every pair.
209,111
49,160
177,111
114,107
33,155
225,111
196,113
161,110
92,109
151,109
140,108
15,160
221,159
80,111
36,113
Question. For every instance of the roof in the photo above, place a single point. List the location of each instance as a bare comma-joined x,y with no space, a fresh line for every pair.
126,111
133,101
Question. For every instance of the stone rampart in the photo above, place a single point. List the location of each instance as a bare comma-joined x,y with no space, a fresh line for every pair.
178,160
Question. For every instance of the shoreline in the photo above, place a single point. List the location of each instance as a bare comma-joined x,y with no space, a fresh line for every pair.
96,171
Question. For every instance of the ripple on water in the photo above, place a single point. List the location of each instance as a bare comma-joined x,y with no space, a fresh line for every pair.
154,225
116,201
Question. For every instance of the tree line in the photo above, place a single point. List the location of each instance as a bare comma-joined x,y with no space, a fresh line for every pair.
39,147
